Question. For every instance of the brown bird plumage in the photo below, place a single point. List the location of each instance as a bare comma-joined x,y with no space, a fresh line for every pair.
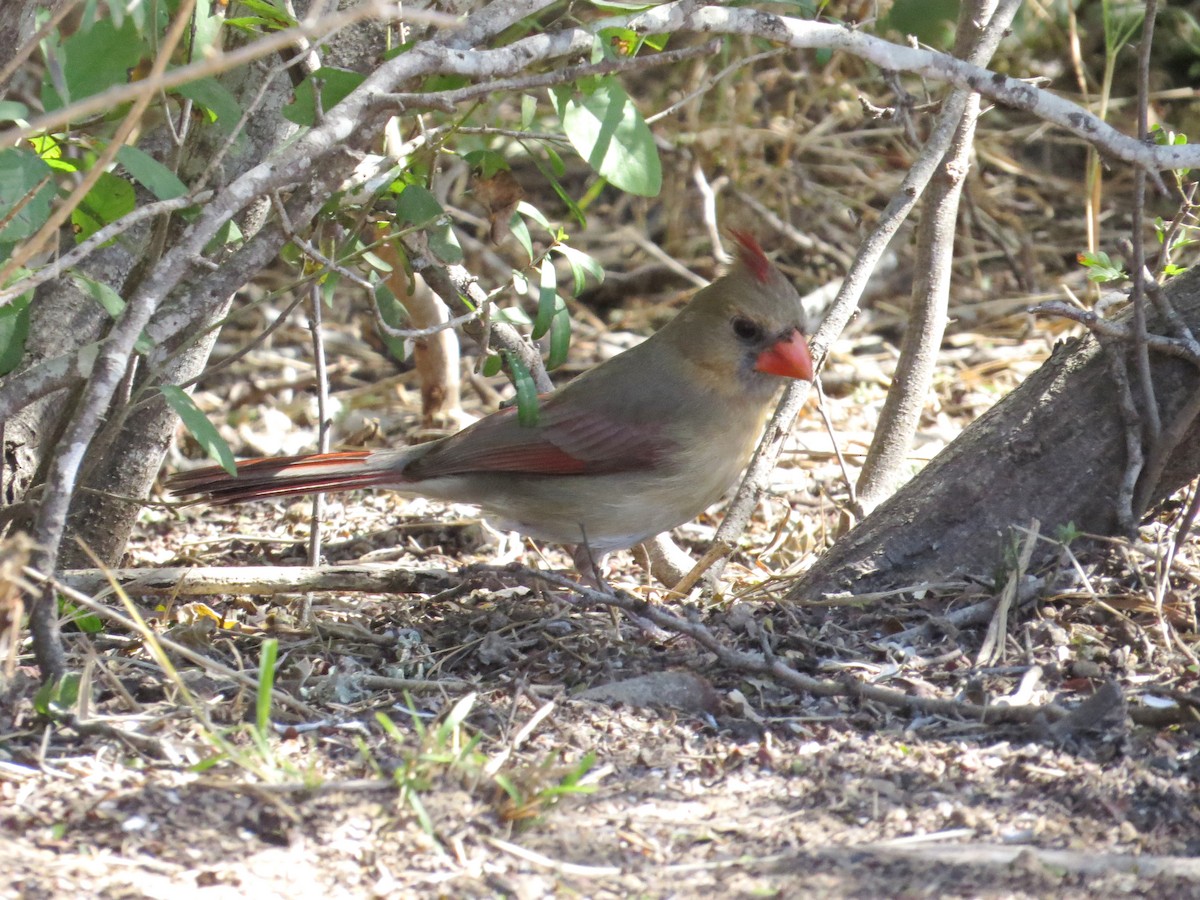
634,447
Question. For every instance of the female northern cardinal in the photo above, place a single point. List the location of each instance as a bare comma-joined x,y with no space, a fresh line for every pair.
641,443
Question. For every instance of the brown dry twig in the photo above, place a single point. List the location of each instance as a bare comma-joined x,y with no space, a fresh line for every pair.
249,682
765,663
264,581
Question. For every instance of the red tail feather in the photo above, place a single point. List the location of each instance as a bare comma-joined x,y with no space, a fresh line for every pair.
280,476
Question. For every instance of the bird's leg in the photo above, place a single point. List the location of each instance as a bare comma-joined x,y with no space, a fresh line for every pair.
508,544
591,574
590,568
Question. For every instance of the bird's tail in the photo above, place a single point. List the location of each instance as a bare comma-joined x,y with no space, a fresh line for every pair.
287,476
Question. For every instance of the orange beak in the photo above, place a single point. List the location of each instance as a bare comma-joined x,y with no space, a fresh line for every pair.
789,358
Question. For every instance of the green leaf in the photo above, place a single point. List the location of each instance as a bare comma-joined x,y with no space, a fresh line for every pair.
151,174
228,235
108,299
552,178
14,330
527,395
560,336
109,199
930,21
582,265
607,130
459,712
266,680
111,302
557,166
656,41
12,111
528,110
57,696
486,162
91,61
216,98
23,174
444,244
418,207
247,24
1101,268
375,261
82,618
509,787
492,365
513,315
393,313
528,209
206,38
274,12
336,84
521,232
199,427
547,295
620,6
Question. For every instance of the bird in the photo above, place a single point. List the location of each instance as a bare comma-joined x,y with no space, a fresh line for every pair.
634,447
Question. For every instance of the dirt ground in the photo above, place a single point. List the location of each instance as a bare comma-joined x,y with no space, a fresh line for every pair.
495,737
541,746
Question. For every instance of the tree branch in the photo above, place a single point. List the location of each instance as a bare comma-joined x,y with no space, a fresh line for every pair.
765,663
869,252
806,35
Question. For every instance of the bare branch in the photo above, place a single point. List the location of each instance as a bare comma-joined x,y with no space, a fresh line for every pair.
765,664
806,35
271,43
264,581
101,237
844,307
887,456
452,283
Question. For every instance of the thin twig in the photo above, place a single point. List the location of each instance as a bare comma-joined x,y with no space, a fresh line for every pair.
837,450
844,307
98,239
708,197
1188,518
711,81
1116,330
1152,423
1132,425
199,659
449,100
452,283
318,500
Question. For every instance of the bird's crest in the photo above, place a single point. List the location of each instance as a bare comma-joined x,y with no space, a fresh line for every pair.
752,256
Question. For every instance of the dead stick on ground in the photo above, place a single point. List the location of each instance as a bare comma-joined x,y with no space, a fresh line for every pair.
211,665
204,581
766,664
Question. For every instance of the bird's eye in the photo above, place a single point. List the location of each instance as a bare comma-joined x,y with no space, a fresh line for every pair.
746,329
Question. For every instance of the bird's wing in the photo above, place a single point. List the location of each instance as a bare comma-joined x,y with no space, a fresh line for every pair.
563,442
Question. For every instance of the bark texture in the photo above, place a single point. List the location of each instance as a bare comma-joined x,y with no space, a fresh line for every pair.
1053,450
128,453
